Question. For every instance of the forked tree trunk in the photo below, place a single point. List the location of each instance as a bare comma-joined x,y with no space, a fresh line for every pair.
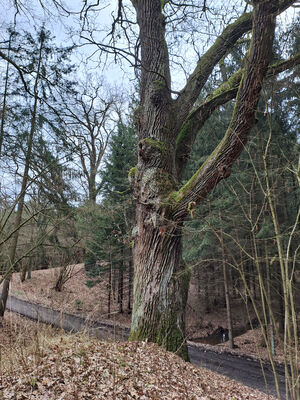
160,283
166,130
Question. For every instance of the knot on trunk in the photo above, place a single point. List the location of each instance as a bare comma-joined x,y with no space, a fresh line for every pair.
149,148
224,171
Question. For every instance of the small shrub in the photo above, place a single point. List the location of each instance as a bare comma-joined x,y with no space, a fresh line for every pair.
78,304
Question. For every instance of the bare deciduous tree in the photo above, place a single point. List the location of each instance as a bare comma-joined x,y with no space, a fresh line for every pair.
90,119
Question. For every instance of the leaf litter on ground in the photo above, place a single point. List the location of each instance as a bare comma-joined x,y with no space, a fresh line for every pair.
51,365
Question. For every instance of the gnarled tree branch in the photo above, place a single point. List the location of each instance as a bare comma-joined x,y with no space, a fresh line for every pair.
217,166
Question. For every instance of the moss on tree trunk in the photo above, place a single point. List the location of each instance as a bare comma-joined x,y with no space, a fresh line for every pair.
160,285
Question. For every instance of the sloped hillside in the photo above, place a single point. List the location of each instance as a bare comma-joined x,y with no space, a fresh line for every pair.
39,363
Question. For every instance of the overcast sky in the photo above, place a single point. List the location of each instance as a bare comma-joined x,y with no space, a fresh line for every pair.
61,27
115,74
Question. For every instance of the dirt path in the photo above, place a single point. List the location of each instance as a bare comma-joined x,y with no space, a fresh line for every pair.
241,369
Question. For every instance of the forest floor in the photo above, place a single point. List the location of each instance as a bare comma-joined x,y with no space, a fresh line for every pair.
42,363
79,299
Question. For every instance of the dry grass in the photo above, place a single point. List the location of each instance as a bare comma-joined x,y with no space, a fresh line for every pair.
19,337
50,365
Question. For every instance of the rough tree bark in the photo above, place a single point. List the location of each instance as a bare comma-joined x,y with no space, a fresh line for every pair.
167,128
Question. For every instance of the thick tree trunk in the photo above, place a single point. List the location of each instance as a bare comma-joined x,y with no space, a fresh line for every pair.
92,185
160,283
4,295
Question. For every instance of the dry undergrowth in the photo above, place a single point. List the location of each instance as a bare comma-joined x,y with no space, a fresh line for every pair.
252,344
75,298
39,362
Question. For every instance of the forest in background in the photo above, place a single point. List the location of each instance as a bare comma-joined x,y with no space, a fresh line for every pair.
68,154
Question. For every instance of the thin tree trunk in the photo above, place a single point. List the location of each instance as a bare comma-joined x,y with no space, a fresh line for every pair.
290,323
21,200
5,94
280,315
121,288
227,296
130,283
109,286
206,301
29,272
23,271
271,325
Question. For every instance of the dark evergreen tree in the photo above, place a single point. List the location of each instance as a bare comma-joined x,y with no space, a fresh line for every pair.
109,225
246,220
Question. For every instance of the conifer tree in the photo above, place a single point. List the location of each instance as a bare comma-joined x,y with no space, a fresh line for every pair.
109,247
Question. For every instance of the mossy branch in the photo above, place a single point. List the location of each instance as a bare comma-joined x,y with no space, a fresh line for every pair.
208,61
226,92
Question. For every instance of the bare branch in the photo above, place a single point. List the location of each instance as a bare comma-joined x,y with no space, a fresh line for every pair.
20,70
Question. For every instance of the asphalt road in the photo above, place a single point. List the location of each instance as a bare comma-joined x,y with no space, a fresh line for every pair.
246,371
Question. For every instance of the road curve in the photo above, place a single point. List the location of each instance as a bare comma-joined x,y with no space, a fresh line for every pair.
246,371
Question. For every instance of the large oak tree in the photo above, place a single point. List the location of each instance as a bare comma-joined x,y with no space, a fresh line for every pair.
167,128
